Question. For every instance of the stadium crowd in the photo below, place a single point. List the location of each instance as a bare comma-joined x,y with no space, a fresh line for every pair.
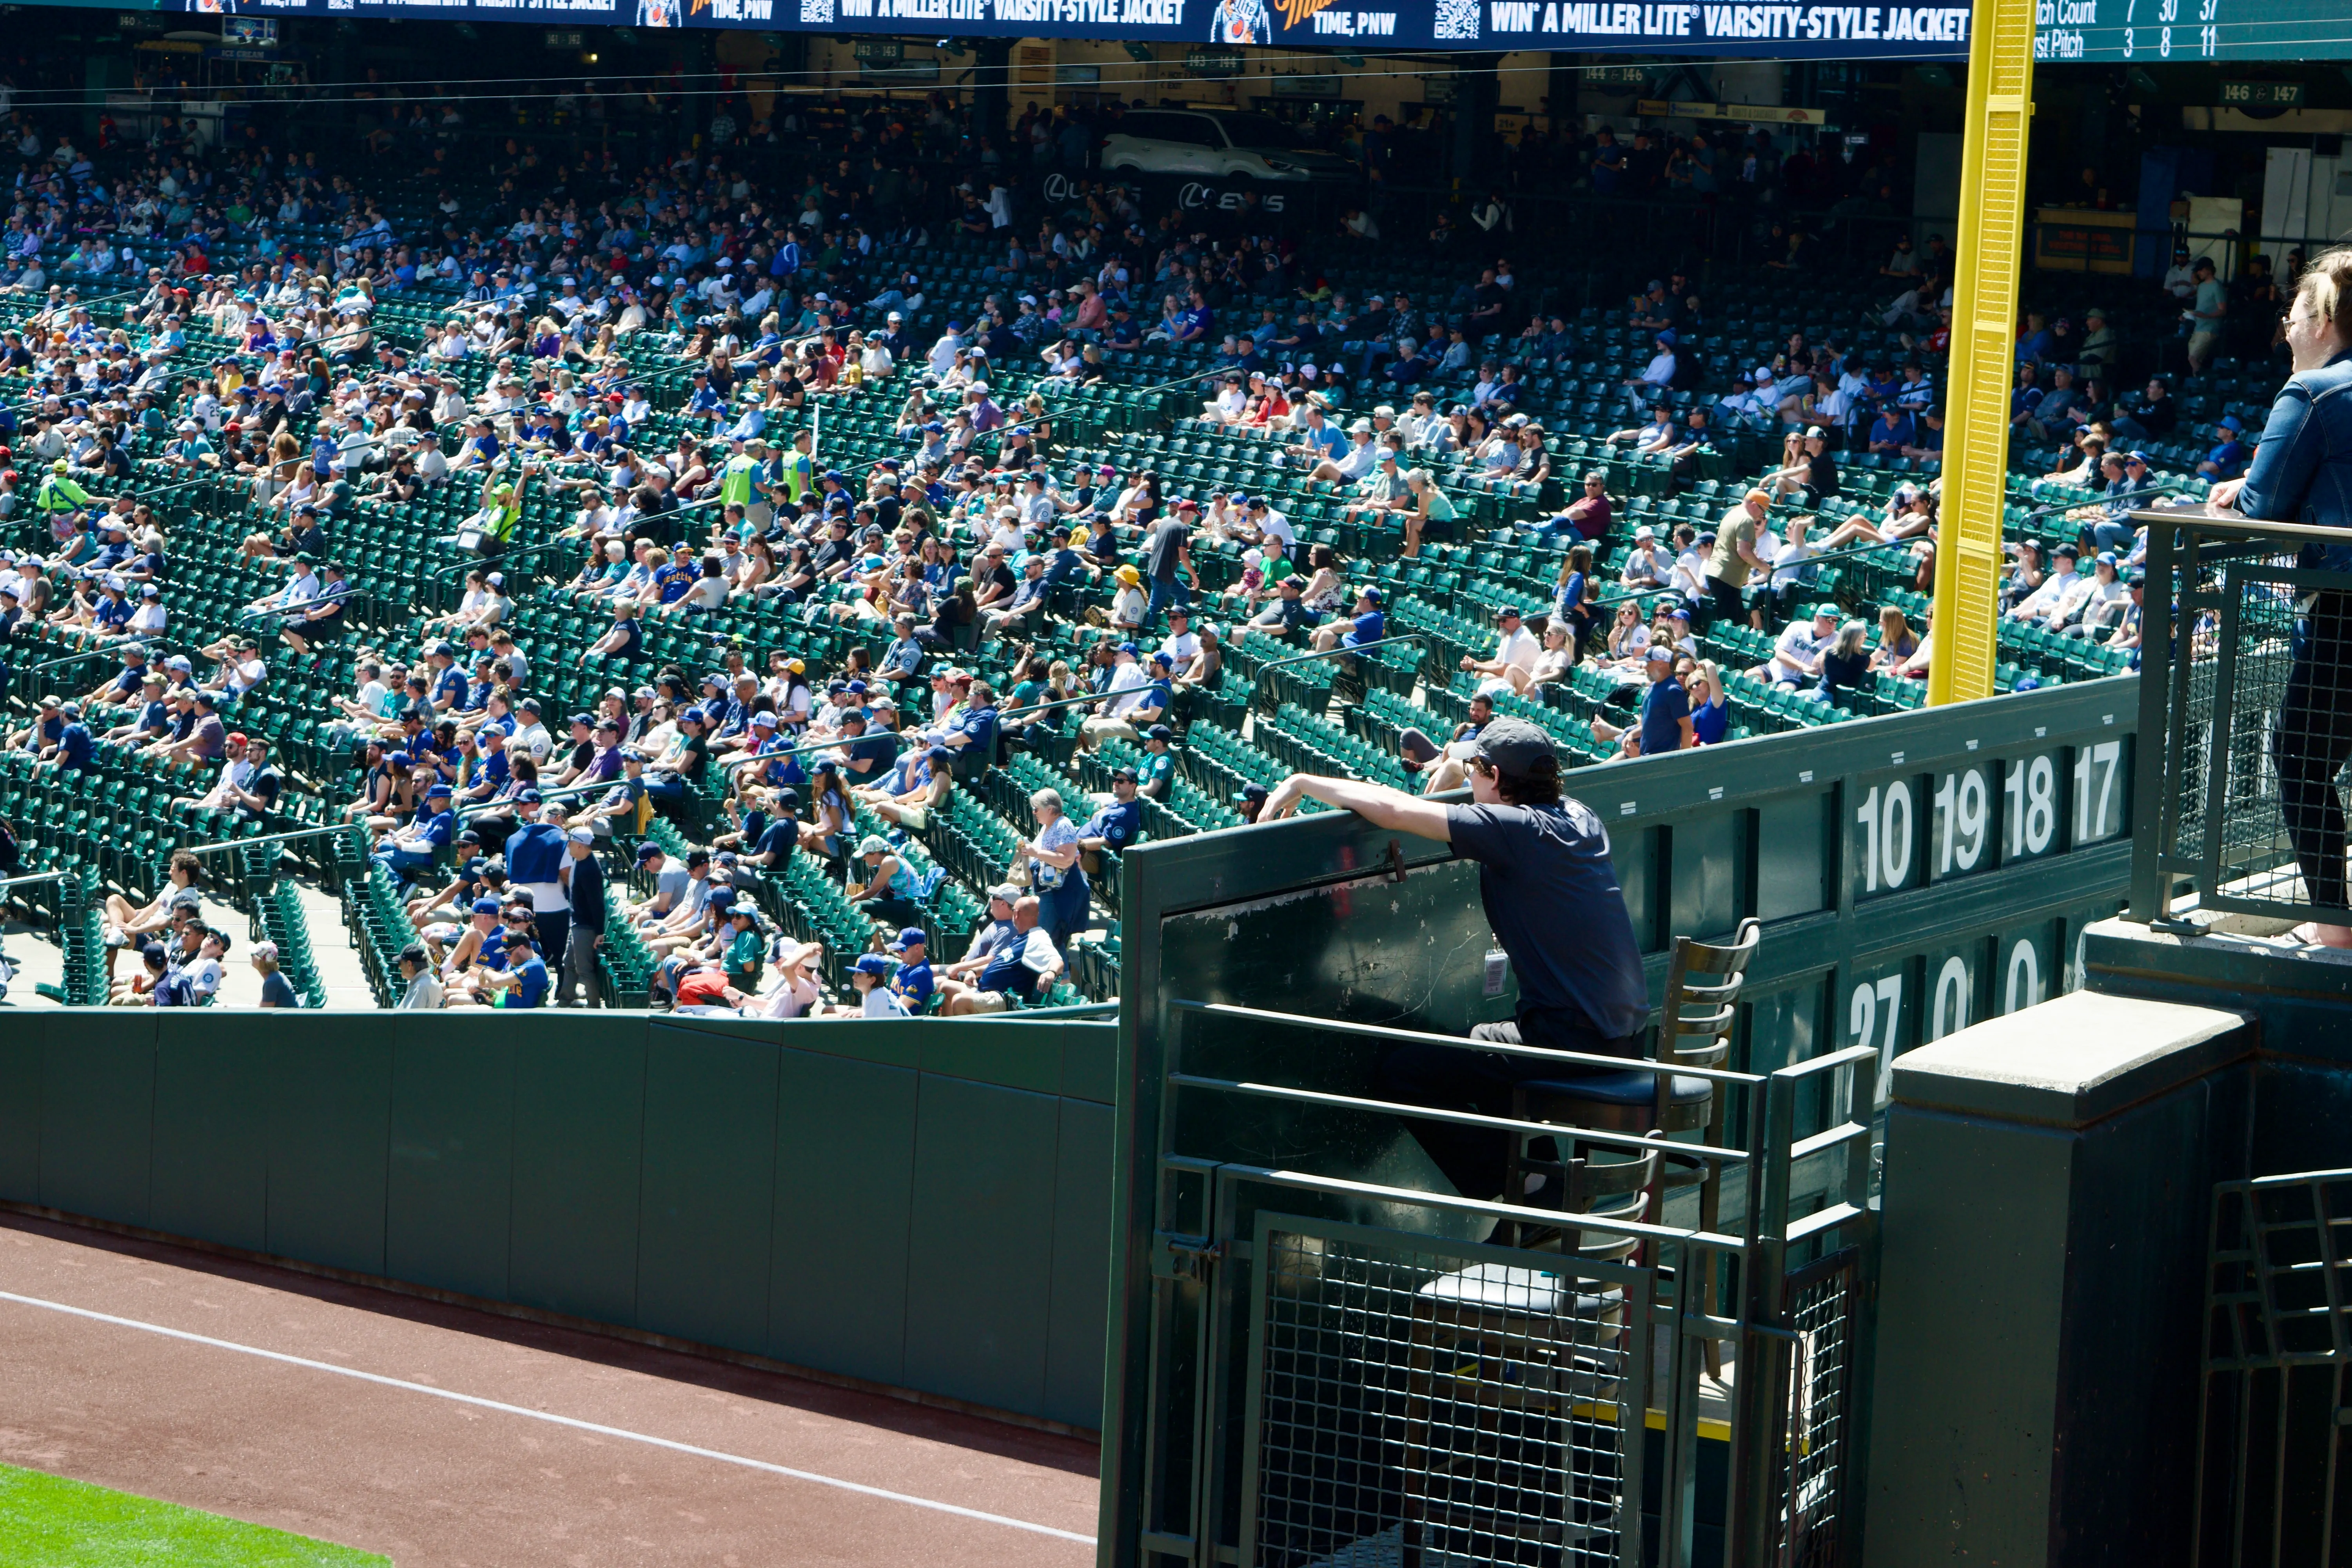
821,643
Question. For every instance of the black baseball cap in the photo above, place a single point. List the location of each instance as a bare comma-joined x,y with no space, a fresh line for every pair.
1517,747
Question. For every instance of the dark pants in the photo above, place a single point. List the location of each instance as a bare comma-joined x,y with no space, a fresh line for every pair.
553,928
581,976
1477,1159
895,914
2310,744
1730,602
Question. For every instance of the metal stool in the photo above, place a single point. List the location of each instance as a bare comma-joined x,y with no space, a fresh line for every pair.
1695,1024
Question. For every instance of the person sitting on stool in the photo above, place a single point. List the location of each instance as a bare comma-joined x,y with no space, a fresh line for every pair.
1551,894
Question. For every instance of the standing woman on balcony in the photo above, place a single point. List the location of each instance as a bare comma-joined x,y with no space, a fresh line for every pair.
2303,473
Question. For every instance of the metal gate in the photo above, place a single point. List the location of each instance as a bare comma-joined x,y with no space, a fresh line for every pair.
2278,1326
1411,1401
1343,1377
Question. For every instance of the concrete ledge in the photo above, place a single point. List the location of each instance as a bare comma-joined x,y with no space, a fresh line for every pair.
2230,953
2071,1061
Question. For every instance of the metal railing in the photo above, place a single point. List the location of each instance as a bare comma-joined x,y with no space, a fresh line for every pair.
1343,651
261,841
568,792
258,876
2244,720
23,688
2270,1437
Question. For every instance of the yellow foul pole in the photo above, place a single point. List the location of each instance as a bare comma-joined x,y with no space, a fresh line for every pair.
1984,306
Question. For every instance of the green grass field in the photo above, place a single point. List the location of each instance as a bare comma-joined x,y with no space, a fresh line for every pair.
47,1522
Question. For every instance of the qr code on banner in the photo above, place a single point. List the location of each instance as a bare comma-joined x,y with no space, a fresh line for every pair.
817,11
1456,19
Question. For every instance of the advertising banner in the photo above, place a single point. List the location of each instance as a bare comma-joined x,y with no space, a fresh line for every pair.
1633,26
2068,29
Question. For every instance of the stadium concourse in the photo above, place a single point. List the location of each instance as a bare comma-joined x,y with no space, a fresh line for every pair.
813,611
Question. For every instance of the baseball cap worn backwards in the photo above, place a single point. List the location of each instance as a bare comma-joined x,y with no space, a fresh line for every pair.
1517,747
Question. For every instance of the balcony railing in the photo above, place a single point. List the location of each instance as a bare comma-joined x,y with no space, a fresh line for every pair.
2248,688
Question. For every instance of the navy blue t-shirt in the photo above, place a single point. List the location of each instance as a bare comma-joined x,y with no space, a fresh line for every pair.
779,838
1117,824
531,989
879,746
1551,895
980,725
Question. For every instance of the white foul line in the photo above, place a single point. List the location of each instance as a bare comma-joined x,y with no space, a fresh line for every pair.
602,1431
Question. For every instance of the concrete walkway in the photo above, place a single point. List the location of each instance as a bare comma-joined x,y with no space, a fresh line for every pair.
39,959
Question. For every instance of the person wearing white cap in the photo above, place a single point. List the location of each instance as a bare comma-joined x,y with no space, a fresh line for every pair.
1796,660
1647,440
583,877
276,991
1356,462
1791,580
149,619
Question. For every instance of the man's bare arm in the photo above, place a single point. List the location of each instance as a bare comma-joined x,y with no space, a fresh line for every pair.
1376,804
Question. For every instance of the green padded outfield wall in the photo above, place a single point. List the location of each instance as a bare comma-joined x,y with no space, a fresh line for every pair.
920,1205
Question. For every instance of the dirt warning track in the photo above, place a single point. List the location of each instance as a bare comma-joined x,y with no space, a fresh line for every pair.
444,1436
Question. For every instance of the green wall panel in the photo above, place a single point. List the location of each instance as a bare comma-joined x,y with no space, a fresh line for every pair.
822,1202
897,1044
837,1289
450,1195
579,1135
1792,839
330,1125
708,1198
1013,1056
1784,1025
98,1103
1081,1275
1954,981
1635,851
1090,1063
211,1128
20,1106
1708,854
2029,965
978,1285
